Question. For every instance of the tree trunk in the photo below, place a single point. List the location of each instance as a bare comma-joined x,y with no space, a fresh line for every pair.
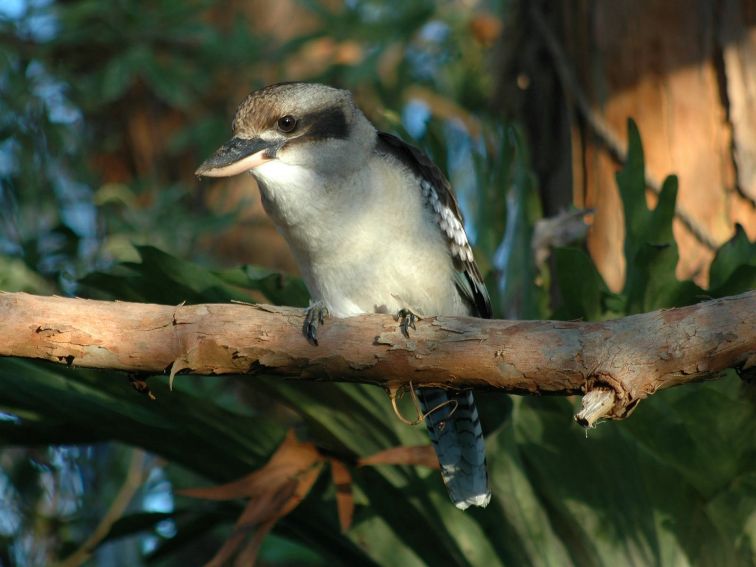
685,71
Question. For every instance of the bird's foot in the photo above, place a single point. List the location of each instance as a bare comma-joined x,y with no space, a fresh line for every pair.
407,320
315,315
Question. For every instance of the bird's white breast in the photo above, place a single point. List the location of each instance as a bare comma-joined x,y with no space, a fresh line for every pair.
364,241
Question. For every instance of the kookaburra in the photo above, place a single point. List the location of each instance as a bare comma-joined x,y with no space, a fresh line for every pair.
374,227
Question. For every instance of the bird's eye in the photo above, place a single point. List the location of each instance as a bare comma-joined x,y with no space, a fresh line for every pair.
287,123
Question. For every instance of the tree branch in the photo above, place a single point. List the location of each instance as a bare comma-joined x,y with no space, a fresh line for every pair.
624,360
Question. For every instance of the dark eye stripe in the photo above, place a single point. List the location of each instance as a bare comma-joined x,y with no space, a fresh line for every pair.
328,123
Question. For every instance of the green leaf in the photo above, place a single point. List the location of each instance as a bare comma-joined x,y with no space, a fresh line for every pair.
580,285
163,278
170,80
637,492
223,443
632,186
742,279
526,536
16,275
279,288
701,439
650,248
118,76
733,269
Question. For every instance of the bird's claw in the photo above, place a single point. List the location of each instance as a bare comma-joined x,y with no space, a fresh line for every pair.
315,315
407,320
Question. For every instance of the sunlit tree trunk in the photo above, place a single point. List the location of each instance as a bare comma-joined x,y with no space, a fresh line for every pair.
685,71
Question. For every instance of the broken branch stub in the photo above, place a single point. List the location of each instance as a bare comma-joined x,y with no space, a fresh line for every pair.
597,404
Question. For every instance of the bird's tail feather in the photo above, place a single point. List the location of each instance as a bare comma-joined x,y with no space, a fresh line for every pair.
458,440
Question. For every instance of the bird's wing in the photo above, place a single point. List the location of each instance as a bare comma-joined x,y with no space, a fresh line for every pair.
438,194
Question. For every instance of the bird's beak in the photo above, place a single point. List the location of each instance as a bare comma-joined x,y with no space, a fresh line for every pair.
237,156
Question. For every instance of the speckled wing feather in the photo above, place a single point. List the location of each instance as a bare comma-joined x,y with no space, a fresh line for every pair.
438,195
452,418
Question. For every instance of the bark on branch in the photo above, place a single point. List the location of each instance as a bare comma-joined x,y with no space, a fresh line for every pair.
617,362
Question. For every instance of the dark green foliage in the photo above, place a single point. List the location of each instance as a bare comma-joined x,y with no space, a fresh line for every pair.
580,285
162,278
734,267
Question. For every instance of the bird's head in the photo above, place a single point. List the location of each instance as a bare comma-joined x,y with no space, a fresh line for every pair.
293,125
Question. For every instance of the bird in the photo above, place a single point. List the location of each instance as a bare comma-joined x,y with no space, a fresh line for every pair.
374,227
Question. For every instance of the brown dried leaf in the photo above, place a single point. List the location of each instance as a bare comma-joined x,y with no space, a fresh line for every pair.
305,481
420,455
248,555
266,506
262,511
275,490
342,480
290,459
486,29
227,550
261,514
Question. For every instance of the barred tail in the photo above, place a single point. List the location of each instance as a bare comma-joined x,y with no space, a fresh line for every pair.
458,441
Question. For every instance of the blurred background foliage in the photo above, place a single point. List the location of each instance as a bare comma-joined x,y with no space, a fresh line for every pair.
105,111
